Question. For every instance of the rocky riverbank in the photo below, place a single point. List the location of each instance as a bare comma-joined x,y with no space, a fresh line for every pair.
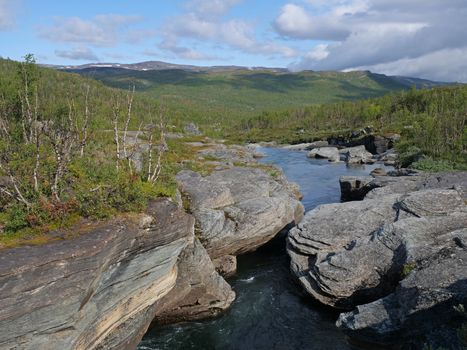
101,284
396,259
237,209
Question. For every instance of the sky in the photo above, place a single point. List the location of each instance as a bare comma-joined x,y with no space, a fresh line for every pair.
417,38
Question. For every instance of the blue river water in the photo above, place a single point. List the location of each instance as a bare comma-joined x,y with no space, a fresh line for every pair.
271,311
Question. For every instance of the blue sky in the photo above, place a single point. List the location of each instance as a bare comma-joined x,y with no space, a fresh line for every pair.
421,38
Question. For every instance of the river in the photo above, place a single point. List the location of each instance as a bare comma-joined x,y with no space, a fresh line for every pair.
271,311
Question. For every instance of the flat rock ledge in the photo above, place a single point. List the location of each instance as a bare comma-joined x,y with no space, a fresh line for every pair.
398,256
402,181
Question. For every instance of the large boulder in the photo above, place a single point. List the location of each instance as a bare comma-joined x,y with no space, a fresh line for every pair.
97,290
356,155
239,209
199,292
376,144
327,230
330,153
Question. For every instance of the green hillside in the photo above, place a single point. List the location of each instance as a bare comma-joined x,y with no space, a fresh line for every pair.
213,97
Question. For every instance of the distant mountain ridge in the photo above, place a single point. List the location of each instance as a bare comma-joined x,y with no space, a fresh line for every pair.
160,65
217,93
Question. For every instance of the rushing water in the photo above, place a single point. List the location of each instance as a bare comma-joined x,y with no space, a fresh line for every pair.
271,311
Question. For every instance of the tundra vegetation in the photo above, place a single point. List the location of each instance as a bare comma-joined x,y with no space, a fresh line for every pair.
69,150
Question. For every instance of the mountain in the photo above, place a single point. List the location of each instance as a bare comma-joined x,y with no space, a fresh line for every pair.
159,65
418,83
239,91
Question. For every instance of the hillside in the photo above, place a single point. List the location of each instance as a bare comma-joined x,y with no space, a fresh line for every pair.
222,95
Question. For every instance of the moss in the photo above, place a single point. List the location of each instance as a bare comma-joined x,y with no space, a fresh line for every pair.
408,268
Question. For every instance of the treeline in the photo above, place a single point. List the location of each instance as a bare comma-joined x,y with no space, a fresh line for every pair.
432,121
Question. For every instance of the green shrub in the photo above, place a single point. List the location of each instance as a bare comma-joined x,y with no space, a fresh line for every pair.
409,156
430,165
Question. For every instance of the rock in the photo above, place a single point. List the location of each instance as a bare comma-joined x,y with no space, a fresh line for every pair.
174,135
239,209
307,146
192,128
371,268
318,144
230,154
334,249
199,291
198,144
328,229
96,290
389,157
226,265
406,180
357,155
383,185
378,172
431,202
375,144
402,181
398,255
298,147
423,301
382,144
254,150
330,153
354,187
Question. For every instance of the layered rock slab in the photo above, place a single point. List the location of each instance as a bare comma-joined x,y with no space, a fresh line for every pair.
423,301
239,209
94,291
329,229
349,253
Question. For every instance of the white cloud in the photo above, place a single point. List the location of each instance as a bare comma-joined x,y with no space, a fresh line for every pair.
442,65
77,53
182,52
211,8
204,24
378,33
101,31
294,21
319,52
